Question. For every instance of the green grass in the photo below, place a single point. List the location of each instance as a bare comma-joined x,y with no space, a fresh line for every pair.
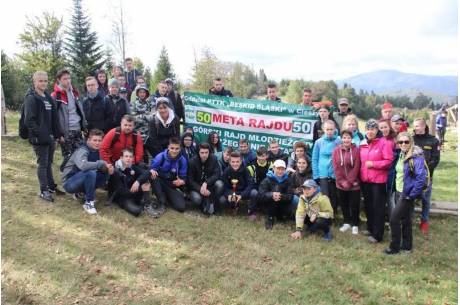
58,254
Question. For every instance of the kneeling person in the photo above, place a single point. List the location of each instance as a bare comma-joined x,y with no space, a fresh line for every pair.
315,210
275,193
169,173
203,174
131,187
85,171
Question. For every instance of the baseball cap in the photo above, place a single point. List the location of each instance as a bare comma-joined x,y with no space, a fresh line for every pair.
343,101
396,118
279,163
309,184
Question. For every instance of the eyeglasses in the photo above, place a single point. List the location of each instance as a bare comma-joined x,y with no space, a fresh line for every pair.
403,142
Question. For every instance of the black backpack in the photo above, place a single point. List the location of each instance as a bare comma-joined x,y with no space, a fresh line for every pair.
23,130
116,137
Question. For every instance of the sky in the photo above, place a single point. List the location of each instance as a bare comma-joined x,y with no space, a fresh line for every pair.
313,40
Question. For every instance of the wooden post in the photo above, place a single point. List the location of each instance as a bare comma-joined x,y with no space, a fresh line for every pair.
3,111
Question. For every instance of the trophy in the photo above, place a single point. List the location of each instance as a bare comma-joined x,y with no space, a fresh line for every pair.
234,183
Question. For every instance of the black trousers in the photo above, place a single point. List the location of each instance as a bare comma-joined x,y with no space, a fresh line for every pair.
329,189
131,204
45,154
279,209
349,203
216,190
167,193
323,224
253,203
374,204
401,224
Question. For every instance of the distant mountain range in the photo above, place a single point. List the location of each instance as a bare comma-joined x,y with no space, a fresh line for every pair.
391,82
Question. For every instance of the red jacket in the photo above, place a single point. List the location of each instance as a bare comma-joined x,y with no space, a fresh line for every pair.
346,164
381,154
63,98
112,154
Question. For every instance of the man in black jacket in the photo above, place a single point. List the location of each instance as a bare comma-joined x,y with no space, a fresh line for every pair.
175,99
40,118
431,150
203,174
117,106
238,183
96,110
271,93
218,88
276,193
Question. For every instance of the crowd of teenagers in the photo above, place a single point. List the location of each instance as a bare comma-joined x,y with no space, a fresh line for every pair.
122,138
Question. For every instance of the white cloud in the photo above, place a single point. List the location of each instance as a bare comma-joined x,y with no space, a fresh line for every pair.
314,40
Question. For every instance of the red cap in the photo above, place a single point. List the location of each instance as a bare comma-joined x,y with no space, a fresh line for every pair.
387,105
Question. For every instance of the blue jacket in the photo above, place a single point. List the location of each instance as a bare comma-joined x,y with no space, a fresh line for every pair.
322,156
357,137
414,182
441,122
169,168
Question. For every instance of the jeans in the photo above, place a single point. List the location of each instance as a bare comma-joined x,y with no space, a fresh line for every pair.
166,192
349,203
216,190
45,154
294,204
374,203
329,189
426,202
401,224
87,182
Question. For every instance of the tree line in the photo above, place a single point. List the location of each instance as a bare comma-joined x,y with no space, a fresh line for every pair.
48,44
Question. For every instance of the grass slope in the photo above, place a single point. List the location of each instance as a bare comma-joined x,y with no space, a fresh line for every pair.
58,254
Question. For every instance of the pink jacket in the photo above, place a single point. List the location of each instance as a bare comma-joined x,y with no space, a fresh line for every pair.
380,152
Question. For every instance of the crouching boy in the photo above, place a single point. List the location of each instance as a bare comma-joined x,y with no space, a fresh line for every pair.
85,171
315,210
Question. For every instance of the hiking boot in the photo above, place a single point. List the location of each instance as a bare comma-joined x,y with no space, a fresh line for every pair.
89,207
372,240
424,226
47,196
151,211
345,228
269,223
390,251
55,190
327,236
354,230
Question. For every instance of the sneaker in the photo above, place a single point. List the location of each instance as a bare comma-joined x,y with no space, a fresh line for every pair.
252,217
406,251
390,251
79,197
89,207
47,196
372,240
354,230
151,211
327,236
424,226
269,223
55,190
345,227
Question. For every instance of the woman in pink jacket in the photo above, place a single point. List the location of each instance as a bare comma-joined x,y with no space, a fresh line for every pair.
346,162
376,158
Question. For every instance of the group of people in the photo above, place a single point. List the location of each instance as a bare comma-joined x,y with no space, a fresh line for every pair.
132,145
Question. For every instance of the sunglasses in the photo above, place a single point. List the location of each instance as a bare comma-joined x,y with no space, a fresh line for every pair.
403,142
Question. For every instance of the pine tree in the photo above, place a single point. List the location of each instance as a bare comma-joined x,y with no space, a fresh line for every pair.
163,70
84,53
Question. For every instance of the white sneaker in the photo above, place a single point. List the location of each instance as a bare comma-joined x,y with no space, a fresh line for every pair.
354,230
345,227
88,206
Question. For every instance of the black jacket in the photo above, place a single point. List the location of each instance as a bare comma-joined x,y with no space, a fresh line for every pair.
40,117
178,105
430,145
96,112
280,156
159,135
245,181
271,184
117,107
223,92
199,172
122,180
297,179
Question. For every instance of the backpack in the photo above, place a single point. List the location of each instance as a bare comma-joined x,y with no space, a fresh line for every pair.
427,177
116,137
23,130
